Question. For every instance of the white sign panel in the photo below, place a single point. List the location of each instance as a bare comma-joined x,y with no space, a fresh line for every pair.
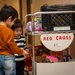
57,41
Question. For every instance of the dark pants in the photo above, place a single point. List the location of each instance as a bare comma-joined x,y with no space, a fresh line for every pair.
20,67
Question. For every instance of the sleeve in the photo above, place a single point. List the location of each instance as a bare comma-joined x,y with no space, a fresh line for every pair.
11,43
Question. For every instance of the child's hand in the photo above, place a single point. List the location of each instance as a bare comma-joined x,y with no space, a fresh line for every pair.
29,54
25,53
27,50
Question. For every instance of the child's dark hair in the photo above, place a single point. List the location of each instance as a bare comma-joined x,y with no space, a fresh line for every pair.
8,11
17,24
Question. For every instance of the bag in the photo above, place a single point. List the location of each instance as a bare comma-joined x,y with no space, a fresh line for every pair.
37,26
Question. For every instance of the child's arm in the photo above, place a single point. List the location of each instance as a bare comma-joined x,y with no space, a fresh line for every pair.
13,46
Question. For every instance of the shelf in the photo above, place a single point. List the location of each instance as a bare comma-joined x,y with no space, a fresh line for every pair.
49,32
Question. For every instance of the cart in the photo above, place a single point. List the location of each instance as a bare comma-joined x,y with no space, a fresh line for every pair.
60,68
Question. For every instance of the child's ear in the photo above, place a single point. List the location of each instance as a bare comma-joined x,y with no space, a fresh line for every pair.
9,18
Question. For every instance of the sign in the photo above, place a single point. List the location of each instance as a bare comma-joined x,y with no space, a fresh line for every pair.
57,41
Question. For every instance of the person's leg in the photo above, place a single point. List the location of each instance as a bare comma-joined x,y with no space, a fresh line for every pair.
1,66
9,65
17,68
20,68
1,71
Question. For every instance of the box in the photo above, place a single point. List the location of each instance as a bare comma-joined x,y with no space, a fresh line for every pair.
64,21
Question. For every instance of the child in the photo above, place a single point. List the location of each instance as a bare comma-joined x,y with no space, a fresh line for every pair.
21,42
8,47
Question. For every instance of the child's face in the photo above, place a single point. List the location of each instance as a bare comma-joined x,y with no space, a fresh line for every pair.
18,32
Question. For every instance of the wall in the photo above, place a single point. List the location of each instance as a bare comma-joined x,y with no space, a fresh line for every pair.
24,9
14,3
24,12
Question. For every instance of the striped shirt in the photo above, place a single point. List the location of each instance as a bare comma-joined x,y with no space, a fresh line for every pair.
21,43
